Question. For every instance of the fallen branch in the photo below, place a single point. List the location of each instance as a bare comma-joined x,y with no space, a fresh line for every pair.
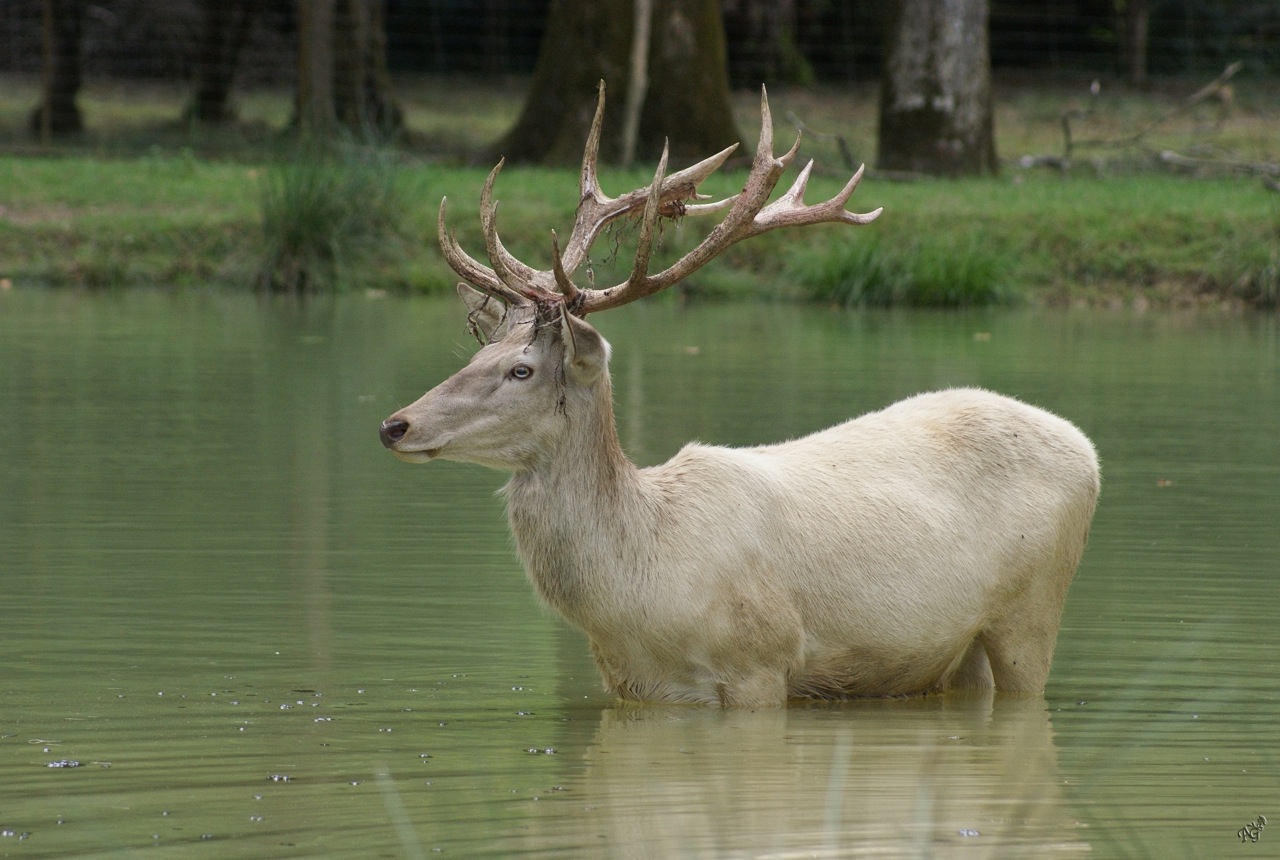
1248,168
1215,89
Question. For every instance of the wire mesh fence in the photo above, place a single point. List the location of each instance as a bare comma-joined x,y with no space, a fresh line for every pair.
828,40
135,46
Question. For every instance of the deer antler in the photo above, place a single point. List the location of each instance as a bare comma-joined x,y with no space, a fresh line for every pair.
748,215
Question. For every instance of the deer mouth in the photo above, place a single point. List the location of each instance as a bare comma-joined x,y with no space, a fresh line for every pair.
426,455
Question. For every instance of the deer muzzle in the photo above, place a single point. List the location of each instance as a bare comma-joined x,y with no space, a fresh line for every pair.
392,433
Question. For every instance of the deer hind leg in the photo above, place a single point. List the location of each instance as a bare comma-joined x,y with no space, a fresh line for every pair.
1019,662
1019,645
1020,640
973,672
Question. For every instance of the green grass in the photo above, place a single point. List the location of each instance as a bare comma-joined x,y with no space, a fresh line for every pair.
147,200
927,272
179,221
330,216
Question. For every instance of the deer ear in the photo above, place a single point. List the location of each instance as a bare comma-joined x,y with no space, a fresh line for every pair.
586,353
486,316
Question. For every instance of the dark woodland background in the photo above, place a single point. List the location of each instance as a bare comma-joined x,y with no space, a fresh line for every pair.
795,41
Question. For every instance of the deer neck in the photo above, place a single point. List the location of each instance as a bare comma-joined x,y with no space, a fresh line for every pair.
571,510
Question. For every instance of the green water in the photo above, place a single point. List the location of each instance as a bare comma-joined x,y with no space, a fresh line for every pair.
260,635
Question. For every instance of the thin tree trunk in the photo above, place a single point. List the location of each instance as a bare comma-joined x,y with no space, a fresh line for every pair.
58,114
638,79
935,100
363,100
315,109
227,26
1137,23
350,40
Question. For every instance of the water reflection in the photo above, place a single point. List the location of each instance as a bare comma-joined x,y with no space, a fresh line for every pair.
903,778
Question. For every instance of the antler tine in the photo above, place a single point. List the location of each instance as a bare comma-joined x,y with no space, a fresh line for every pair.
790,209
471,271
589,183
765,169
566,286
652,208
518,276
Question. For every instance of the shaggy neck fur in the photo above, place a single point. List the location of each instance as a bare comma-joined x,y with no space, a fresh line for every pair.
577,511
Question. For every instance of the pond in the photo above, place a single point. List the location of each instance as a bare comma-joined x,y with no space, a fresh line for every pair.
232,625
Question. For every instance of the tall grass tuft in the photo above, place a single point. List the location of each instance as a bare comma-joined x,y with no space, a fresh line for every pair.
1262,286
928,272
329,211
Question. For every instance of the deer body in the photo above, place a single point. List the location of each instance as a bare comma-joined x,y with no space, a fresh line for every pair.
866,559
927,546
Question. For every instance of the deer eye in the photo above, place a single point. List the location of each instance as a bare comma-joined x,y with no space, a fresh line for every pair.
520,371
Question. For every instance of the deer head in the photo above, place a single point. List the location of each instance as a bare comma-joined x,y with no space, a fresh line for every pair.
540,360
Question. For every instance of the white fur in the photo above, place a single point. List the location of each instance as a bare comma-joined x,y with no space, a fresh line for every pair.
923,547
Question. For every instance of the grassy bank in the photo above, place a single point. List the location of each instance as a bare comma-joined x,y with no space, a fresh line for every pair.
185,221
188,210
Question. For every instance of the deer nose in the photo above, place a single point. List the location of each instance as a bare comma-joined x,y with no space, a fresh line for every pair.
392,431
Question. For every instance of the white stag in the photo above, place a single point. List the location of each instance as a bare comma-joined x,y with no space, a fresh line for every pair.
924,547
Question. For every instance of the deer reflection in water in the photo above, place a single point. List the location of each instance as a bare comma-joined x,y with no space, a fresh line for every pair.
955,776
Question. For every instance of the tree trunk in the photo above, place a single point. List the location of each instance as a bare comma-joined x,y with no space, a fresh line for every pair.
363,99
1137,23
637,79
58,113
687,97
343,78
935,98
227,24
765,33
315,111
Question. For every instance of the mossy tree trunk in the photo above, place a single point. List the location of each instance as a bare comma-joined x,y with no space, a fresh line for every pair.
1137,24
765,30
58,113
363,97
935,99
314,111
343,79
687,98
